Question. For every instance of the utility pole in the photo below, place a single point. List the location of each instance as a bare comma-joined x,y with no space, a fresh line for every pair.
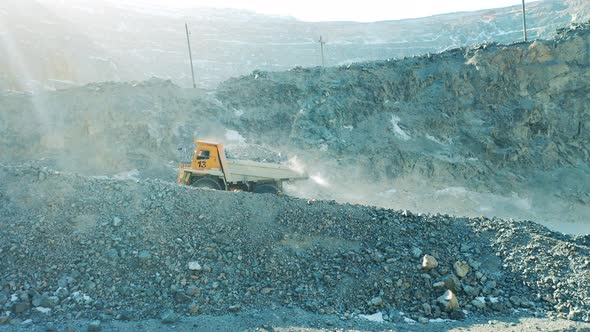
524,21
322,42
190,54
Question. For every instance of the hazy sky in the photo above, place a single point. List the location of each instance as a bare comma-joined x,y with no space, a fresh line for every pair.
351,10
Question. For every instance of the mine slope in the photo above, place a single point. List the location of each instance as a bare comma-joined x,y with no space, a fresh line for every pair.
493,130
84,41
509,123
94,228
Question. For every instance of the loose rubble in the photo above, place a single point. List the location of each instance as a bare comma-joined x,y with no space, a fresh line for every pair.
181,251
448,301
125,247
429,262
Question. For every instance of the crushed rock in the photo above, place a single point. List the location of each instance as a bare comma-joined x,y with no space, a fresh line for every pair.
319,256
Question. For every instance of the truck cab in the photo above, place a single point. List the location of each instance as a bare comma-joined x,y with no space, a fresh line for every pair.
207,156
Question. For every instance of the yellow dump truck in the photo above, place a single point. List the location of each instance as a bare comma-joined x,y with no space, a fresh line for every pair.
211,169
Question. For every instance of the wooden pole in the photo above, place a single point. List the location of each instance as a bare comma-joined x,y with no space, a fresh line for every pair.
190,55
524,21
322,42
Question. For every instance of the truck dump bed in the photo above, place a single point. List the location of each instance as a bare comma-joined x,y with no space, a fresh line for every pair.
252,171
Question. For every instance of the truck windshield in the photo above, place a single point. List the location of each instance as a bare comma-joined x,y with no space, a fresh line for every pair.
203,154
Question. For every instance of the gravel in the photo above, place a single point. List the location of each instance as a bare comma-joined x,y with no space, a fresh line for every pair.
184,251
254,152
126,248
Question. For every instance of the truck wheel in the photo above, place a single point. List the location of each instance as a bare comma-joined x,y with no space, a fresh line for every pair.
267,188
206,183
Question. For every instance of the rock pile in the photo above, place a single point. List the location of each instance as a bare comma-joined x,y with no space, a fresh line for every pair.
254,152
95,248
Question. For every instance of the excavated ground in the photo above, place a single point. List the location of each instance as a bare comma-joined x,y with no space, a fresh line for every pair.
495,130
77,247
492,130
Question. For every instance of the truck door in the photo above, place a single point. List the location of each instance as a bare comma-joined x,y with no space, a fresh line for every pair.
206,157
